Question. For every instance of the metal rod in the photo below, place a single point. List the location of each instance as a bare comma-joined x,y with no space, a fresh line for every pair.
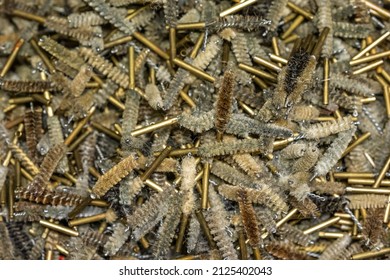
367,190
326,81
368,67
191,26
381,174
372,254
297,21
131,67
205,184
11,57
347,175
372,45
151,45
156,163
194,70
300,10
237,7
369,58
267,64
87,220
257,72
59,228
322,225
205,228
357,142
153,127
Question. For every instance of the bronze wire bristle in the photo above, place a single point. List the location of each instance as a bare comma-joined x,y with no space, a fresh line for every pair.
162,130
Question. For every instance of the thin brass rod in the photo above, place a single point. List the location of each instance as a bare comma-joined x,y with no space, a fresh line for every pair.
322,225
150,45
367,182
180,238
43,56
381,174
59,228
237,7
326,81
191,26
257,72
153,127
278,58
11,58
106,130
368,67
194,70
357,142
131,67
367,190
371,46
172,44
117,42
28,16
347,175
87,220
372,254
153,185
205,184
156,163
297,21
205,228
267,64
369,58
300,10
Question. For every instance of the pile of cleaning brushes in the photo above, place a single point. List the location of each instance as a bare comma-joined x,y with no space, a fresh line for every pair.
164,129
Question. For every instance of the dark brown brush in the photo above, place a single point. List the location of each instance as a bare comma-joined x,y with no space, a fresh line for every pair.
249,219
26,86
38,122
285,251
374,231
223,108
44,196
31,128
295,67
329,204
